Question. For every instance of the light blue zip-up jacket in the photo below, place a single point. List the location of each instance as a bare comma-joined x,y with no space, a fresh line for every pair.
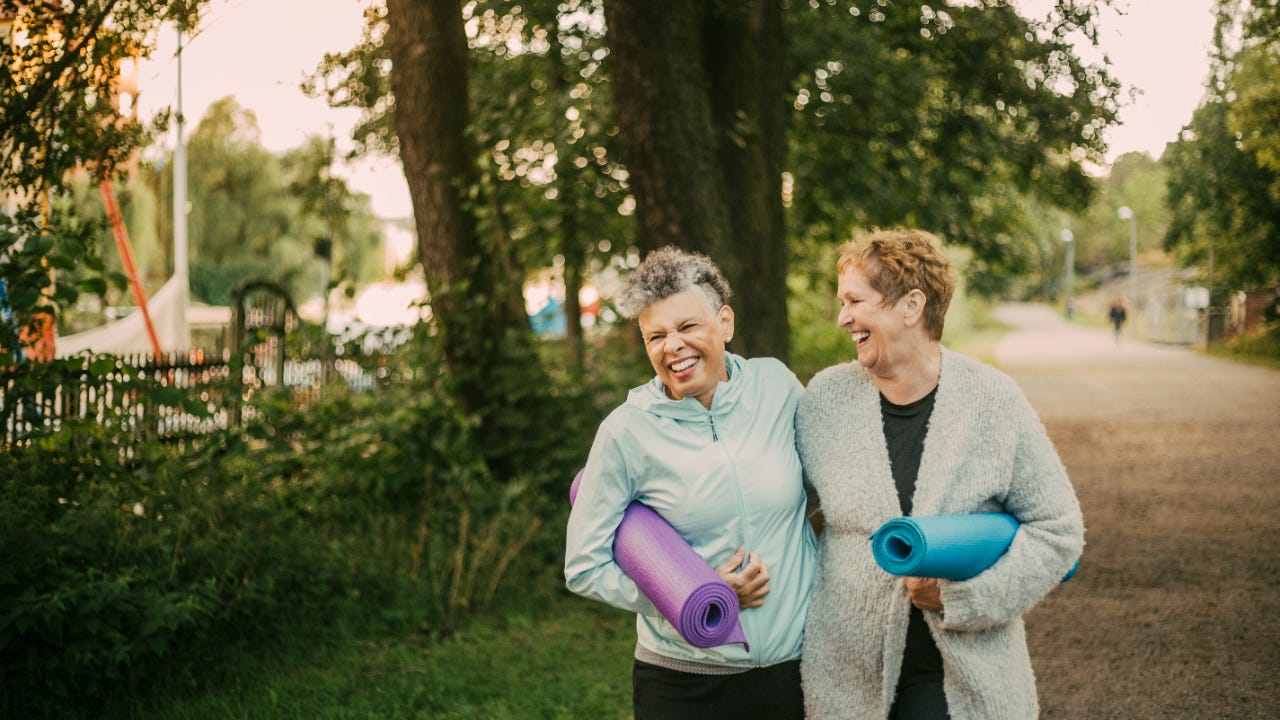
725,478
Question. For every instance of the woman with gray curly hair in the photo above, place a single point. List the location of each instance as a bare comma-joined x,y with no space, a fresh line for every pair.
709,444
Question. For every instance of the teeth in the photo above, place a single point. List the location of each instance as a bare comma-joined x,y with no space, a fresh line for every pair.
859,337
684,364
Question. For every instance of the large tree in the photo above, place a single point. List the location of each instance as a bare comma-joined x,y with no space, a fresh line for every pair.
1224,179
701,106
472,273
542,119
943,116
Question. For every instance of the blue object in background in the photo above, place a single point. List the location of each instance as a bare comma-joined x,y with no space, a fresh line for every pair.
6,313
550,320
951,547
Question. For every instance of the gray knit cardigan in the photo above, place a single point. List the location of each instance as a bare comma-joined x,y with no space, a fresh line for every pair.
985,451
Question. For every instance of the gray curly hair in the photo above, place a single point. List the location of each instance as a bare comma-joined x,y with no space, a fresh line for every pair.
669,271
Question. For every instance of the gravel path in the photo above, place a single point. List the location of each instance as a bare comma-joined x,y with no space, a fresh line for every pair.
1175,456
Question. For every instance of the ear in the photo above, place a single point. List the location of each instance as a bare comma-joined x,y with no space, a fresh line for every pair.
726,321
913,304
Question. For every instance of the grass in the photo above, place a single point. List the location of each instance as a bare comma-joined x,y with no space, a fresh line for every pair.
978,333
566,658
1258,347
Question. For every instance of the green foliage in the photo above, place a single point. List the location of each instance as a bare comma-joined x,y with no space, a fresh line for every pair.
541,117
816,341
1220,199
31,249
904,115
339,222
913,115
1257,103
88,590
127,555
257,214
1224,186
140,213
58,94
1260,346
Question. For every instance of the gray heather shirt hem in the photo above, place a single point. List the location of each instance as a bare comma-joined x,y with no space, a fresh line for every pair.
644,654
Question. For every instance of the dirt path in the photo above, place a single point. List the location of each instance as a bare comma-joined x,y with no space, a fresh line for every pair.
1176,459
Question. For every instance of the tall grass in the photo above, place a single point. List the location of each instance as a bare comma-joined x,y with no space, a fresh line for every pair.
1261,346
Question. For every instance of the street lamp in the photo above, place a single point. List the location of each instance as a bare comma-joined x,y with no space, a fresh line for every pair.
1068,237
1126,213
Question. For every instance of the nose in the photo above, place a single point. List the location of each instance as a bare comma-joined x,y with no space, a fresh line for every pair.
844,317
673,343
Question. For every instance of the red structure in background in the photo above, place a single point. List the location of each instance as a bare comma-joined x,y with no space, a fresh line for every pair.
126,258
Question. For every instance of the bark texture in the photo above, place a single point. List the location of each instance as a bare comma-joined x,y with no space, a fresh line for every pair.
701,108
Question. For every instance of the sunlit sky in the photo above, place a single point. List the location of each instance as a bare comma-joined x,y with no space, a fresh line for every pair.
260,50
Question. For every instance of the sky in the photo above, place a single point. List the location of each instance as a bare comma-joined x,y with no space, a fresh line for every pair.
260,50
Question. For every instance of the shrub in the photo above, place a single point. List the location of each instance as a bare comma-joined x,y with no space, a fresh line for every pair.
124,555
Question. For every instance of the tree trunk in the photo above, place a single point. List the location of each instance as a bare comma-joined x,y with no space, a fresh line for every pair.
572,243
667,140
745,54
428,49
474,281
701,107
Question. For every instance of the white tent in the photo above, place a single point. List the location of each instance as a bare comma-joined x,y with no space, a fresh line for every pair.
168,309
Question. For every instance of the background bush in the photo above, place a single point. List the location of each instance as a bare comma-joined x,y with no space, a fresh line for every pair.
121,556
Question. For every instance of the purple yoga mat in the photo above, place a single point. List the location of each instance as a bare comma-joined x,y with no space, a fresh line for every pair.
685,589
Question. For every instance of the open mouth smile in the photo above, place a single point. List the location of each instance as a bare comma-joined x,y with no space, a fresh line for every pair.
682,367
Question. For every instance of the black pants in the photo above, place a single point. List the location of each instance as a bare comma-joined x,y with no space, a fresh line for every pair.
920,695
771,693
923,698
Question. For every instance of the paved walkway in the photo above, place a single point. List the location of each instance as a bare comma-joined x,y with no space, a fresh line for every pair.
1175,456
1045,336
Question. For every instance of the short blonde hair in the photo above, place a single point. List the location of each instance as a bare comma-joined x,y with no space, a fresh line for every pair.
899,260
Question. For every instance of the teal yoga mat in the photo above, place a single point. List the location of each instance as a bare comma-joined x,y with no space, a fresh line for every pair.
951,547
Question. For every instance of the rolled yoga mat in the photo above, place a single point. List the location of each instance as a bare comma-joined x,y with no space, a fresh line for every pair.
685,589
951,547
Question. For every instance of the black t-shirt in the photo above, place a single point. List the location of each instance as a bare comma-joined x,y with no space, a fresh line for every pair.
904,430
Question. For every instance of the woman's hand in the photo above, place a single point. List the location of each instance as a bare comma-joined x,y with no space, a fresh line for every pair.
925,593
751,583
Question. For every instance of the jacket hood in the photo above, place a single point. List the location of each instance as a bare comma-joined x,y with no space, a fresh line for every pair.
652,396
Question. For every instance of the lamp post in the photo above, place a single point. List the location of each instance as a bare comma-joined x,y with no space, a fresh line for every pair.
1126,213
1068,237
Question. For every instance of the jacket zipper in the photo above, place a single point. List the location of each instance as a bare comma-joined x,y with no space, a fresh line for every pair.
742,504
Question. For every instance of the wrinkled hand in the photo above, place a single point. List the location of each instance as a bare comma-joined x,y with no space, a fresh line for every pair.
751,583
925,592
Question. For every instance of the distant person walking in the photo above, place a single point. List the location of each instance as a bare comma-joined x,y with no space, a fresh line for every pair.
1118,316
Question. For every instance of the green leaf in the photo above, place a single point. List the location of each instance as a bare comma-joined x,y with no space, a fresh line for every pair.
61,262
167,395
96,285
196,406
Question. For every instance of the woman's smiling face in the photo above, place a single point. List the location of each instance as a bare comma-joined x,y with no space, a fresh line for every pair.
874,326
684,337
